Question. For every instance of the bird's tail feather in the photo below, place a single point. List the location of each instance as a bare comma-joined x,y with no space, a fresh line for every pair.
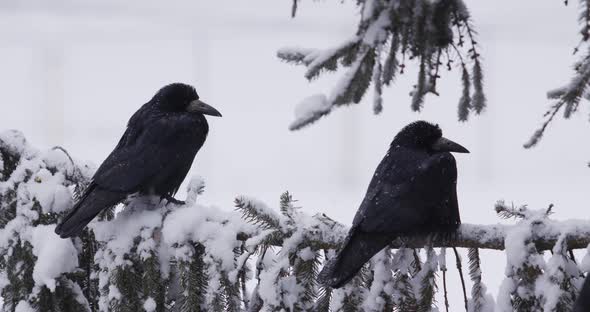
358,249
94,200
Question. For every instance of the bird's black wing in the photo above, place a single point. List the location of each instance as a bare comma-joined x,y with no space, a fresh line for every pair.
411,192
93,201
150,146
408,200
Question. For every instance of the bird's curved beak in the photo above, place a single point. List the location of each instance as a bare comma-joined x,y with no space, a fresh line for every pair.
445,145
198,106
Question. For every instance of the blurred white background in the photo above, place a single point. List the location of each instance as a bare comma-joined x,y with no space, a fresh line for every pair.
73,72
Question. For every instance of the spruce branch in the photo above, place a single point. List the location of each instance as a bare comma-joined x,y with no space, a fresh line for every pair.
465,101
423,31
477,290
569,96
257,213
404,298
322,304
427,280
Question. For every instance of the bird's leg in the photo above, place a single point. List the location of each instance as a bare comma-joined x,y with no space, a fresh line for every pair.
173,200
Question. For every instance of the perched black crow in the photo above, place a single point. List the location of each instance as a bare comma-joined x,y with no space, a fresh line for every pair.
153,156
413,191
583,302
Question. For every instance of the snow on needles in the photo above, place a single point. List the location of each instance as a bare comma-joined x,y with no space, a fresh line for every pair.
215,229
311,109
154,236
39,185
54,256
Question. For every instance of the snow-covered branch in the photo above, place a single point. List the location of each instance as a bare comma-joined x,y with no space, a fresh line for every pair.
483,237
157,256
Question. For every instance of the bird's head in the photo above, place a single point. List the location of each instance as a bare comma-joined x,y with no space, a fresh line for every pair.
180,97
426,136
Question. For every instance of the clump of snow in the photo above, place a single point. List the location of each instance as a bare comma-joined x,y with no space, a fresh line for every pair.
275,290
311,109
141,219
377,32
195,188
24,306
517,245
54,256
114,292
14,141
149,305
50,191
3,280
79,295
382,276
504,300
306,254
58,159
212,227
119,234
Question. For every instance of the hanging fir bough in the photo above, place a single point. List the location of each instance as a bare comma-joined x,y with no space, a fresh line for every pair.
155,256
568,97
432,34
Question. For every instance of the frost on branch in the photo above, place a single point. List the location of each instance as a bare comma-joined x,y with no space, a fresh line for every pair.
157,256
432,34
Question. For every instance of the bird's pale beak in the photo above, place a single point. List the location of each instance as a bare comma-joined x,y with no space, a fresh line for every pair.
198,106
445,145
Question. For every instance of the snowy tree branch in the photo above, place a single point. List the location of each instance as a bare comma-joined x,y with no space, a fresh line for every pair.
478,236
389,33
155,256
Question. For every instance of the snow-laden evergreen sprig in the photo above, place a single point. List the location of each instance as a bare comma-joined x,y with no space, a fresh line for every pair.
257,213
479,101
480,301
568,97
465,100
191,273
37,269
525,265
158,257
130,273
403,295
287,208
418,30
306,266
380,290
324,297
425,281
559,283
378,84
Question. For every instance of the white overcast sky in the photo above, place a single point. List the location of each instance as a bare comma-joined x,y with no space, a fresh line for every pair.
73,72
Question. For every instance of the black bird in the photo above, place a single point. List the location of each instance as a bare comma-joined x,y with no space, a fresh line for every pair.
153,156
413,191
